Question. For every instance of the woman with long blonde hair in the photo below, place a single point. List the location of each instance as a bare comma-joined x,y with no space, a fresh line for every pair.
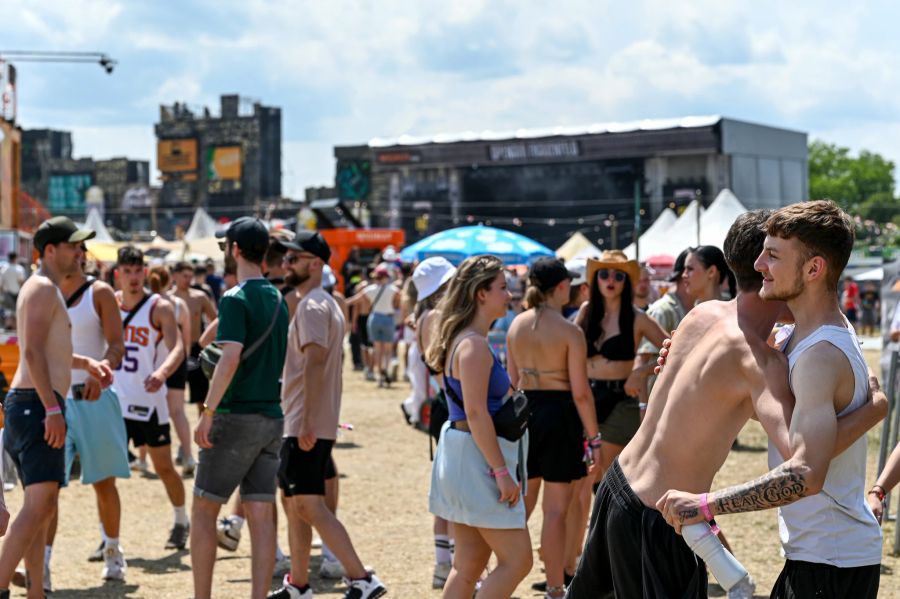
476,474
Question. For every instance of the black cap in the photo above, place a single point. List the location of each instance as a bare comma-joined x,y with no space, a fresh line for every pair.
678,268
248,233
547,273
59,229
312,242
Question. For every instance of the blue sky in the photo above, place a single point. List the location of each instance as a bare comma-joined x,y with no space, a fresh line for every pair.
347,71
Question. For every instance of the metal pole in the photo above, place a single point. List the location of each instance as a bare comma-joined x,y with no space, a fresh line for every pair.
699,205
614,232
637,220
891,391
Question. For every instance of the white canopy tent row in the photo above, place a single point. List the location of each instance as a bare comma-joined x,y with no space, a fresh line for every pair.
202,226
714,224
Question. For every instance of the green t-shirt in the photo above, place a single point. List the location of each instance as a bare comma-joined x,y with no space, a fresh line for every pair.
245,312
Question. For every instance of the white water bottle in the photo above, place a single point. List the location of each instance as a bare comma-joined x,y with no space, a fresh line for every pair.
706,544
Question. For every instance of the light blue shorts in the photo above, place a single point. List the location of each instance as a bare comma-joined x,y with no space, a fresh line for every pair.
461,489
381,327
96,432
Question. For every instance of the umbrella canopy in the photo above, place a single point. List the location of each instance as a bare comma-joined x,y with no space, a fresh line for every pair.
575,246
458,244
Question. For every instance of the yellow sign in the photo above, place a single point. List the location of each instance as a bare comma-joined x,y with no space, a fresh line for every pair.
176,155
224,163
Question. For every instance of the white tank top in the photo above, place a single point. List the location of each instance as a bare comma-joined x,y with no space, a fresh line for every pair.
87,333
143,342
163,352
835,526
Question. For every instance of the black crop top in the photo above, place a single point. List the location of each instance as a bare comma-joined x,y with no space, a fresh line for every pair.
620,347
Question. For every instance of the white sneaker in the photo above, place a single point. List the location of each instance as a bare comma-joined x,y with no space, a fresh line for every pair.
114,565
228,534
743,589
289,591
282,567
139,465
20,578
190,466
441,572
365,589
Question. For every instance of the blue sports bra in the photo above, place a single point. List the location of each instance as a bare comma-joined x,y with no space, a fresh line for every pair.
498,388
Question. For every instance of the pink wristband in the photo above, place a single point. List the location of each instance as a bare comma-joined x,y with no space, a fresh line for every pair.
498,472
704,507
53,410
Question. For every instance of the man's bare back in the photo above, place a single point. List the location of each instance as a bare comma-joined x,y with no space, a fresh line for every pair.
40,294
198,304
701,401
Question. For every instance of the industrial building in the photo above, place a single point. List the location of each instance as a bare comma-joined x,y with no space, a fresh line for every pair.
223,163
549,183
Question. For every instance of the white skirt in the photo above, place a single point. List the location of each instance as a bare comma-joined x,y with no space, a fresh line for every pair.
463,491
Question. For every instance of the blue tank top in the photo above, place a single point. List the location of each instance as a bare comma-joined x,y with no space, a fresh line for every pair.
498,388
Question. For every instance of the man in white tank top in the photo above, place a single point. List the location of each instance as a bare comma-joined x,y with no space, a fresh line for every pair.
831,539
149,321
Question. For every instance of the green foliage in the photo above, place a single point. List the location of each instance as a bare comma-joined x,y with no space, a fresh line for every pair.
862,183
882,207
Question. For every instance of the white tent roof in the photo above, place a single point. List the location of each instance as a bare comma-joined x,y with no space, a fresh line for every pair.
94,222
202,226
656,231
575,246
876,274
714,224
719,217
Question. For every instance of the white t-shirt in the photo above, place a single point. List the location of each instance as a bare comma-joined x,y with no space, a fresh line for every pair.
385,303
12,278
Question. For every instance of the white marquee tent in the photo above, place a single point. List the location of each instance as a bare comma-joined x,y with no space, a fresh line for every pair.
94,222
714,224
202,226
654,233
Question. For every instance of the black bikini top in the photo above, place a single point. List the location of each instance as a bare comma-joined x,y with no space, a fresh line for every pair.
619,347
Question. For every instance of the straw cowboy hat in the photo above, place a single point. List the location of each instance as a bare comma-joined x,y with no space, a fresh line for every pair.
613,259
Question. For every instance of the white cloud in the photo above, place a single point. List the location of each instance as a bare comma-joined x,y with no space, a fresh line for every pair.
346,71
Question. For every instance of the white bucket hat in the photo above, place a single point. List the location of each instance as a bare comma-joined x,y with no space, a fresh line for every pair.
430,274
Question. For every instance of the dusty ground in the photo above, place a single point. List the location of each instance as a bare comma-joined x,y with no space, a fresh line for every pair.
384,486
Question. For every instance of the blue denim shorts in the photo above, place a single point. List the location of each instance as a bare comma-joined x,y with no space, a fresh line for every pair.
23,439
381,328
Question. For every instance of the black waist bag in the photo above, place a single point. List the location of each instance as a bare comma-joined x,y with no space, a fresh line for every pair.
511,420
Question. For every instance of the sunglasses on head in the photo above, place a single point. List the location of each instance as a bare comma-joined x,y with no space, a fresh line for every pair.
618,275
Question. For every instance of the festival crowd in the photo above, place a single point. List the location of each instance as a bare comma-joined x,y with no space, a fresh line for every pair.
566,379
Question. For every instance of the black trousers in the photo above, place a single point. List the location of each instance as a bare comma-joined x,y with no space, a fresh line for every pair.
632,553
802,580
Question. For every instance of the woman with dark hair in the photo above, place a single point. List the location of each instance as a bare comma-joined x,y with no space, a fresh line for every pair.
613,328
546,359
705,270
475,476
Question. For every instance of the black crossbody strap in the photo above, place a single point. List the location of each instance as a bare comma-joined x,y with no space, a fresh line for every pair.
256,345
134,311
79,292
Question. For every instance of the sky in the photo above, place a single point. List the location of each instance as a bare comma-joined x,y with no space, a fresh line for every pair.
345,72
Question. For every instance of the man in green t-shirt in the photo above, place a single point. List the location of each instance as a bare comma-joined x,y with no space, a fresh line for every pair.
241,424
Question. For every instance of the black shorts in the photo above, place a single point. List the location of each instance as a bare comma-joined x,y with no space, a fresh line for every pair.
23,439
618,415
362,329
330,469
555,437
805,579
304,472
631,550
197,381
179,378
150,433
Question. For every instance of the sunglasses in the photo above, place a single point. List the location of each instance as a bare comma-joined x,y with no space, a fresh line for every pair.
223,245
618,275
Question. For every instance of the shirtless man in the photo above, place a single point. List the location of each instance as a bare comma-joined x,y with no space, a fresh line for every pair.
720,367
35,429
830,536
201,307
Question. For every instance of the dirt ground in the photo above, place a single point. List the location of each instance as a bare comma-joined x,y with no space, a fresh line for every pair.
384,485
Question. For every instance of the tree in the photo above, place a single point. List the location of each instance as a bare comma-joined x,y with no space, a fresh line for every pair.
850,181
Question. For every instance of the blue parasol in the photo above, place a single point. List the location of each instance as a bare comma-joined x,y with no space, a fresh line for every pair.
458,244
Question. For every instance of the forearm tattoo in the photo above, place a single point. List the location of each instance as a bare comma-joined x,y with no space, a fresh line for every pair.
781,486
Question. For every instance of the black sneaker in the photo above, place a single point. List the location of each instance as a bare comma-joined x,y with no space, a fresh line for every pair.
289,591
97,555
178,537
